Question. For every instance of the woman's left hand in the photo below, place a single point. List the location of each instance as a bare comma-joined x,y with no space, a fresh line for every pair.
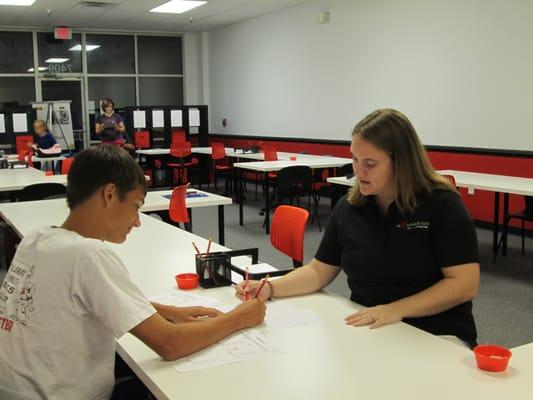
375,316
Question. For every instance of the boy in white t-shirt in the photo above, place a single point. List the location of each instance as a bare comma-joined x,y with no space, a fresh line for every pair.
67,296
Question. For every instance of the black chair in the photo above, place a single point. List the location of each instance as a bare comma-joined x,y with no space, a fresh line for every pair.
292,183
8,245
525,215
41,191
345,170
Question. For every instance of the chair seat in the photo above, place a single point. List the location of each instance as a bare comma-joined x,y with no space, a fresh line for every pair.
273,175
223,167
179,165
522,214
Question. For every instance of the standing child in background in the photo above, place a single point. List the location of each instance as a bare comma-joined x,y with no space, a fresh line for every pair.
109,125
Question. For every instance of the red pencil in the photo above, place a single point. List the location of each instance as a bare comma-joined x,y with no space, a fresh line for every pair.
261,287
209,245
246,275
195,248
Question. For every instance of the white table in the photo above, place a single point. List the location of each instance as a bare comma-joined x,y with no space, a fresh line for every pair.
19,178
156,201
323,360
312,161
341,180
497,184
50,212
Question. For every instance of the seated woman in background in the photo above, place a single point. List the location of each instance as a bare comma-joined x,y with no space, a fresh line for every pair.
402,236
44,139
109,125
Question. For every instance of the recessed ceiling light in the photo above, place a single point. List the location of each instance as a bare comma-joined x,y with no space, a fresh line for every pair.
39,69
88,47
56,60
177,6
16,2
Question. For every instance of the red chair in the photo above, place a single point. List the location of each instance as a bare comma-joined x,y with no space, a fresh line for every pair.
177,210
178,136
21,142
221,164
287,232
141,139
179,151
26,156
65,165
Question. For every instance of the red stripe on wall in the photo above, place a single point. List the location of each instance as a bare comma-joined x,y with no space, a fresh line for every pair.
480,204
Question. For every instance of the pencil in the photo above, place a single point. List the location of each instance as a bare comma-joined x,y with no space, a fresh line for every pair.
209,245
246,277
261,287
195,248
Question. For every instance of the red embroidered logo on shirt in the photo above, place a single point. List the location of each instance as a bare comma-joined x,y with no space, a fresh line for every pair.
6,324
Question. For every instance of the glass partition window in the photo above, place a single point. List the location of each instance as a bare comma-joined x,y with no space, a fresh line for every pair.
121,90
110,54
159,55
59,56
16,91
16,52
160,91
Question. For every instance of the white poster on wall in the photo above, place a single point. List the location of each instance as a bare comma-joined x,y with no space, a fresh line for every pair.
176,119
158,119
139,119
20,122
2,123
194,117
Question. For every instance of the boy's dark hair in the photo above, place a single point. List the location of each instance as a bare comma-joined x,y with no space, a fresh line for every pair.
98,166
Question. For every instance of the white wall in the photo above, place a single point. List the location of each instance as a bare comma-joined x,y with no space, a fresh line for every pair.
460,70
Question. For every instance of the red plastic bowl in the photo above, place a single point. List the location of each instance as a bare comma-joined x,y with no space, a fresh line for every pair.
187,281
491,357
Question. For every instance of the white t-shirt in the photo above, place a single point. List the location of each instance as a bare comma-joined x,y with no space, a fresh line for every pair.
62,304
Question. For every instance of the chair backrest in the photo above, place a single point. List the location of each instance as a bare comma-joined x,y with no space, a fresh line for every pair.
65,165
21,142
218,151
26,155
141,139
287,231
529,205
345,170
180,149
177,210
450,178
294,180
178,136
270,153
41,191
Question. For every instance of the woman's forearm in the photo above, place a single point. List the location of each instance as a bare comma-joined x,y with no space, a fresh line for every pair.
443,295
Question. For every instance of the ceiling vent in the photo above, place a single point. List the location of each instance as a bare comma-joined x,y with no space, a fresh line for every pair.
101,5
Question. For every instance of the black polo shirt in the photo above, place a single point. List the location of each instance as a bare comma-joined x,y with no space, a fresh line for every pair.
397,255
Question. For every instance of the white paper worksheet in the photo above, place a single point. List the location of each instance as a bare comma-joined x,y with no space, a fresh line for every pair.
246,345
2,123
179,298
158,119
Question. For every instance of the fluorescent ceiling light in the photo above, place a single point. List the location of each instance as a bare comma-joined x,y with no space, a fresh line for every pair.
56,60
16,2
88,47
177,6
39,69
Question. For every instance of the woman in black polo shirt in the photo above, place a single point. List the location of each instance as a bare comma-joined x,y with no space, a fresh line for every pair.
402,235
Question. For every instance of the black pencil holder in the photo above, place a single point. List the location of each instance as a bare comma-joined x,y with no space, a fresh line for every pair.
214,269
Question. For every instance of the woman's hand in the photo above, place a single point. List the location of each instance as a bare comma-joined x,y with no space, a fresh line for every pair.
375,316
247,290
189,314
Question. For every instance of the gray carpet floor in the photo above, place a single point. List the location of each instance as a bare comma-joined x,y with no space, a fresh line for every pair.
503,310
